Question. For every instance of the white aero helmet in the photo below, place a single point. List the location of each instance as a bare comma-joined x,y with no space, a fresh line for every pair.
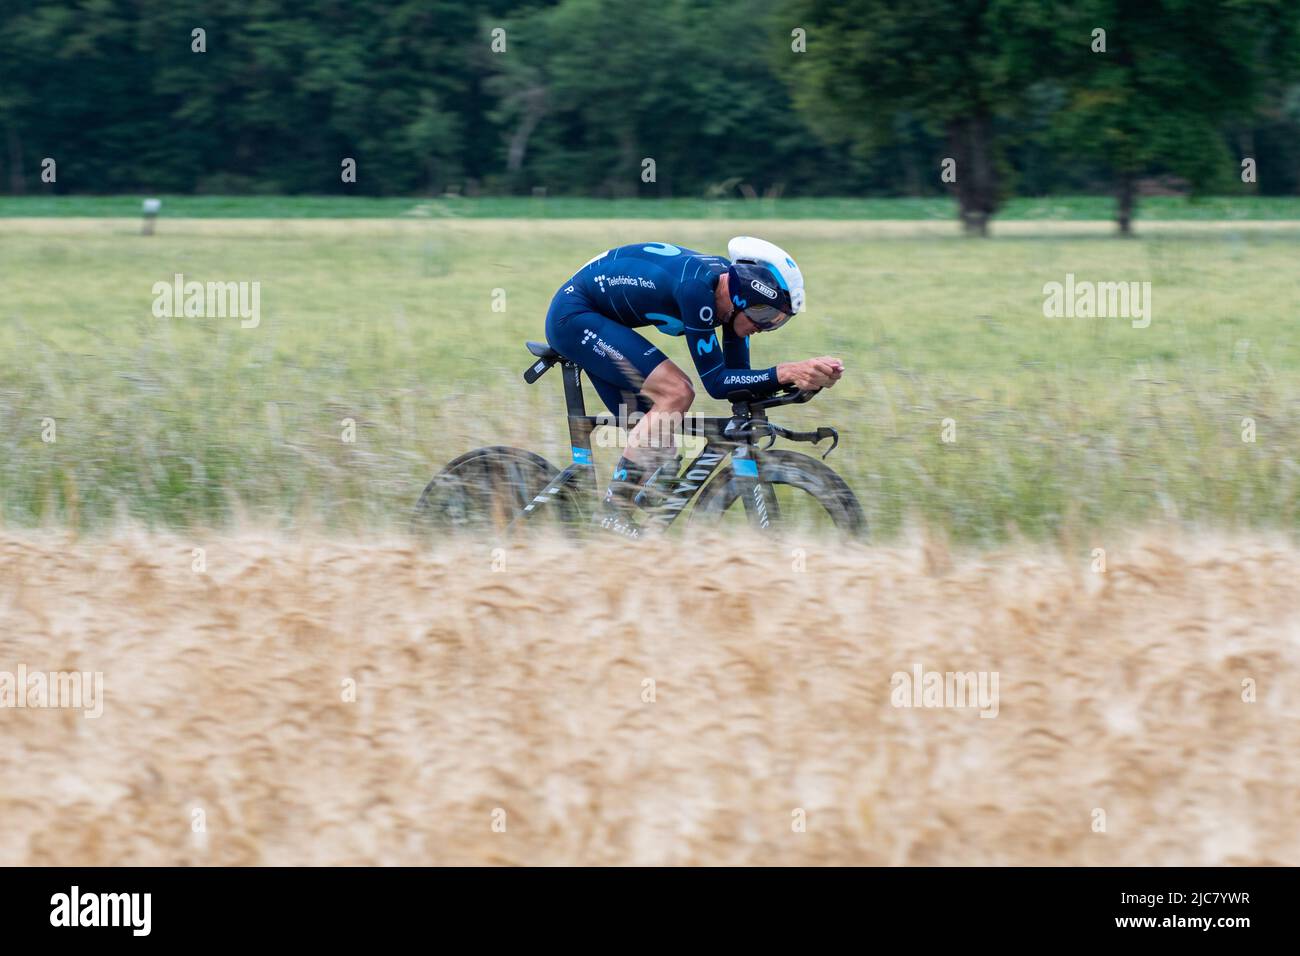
748,251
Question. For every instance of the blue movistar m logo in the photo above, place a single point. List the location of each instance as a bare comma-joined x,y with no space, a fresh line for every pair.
668,324
662,249
704,346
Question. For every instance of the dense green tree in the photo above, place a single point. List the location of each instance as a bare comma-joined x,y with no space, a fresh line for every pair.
1172,77
600,86
720,94
961,68
64,69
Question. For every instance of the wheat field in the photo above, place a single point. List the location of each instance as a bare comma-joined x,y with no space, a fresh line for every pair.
1108,545
718,701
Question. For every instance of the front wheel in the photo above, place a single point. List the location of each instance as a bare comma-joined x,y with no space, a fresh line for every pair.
809,496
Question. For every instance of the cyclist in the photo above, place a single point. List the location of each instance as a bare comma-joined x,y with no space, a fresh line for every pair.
682,293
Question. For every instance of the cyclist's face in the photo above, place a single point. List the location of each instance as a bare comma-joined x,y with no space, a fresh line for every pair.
743,326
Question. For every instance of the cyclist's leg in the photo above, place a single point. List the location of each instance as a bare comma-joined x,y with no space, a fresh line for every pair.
652,459
621,401
618,360
630,375
670,394
650,444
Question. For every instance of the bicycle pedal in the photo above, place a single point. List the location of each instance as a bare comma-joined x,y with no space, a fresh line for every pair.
661,485
618,498
642,499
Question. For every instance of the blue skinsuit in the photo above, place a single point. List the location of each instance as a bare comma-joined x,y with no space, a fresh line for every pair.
591,319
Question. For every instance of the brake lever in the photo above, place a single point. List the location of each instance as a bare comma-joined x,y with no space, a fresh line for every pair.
813,438
826,431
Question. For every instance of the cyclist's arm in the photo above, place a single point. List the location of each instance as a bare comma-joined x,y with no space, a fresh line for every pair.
735,349
713,360
717,378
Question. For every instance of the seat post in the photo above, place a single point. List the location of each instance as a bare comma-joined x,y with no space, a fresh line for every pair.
580,425
573,389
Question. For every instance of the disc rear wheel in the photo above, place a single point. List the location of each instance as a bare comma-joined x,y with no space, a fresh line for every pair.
486,489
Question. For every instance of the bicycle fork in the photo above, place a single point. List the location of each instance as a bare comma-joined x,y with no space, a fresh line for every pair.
758,497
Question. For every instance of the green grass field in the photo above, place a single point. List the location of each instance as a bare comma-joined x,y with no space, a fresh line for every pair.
1064,427
1064,208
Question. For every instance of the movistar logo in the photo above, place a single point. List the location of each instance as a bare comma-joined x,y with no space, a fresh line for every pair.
662,249
668,324
705,346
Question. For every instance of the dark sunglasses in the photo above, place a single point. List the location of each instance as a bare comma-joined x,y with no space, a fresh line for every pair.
766,317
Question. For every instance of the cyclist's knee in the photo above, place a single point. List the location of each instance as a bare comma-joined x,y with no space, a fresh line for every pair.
671,393
684,396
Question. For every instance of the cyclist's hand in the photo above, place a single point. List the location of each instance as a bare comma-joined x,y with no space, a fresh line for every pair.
835,368
812,373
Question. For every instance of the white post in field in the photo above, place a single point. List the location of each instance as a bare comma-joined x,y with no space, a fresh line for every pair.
151,207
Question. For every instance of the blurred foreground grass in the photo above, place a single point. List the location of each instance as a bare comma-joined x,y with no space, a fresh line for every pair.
1063,426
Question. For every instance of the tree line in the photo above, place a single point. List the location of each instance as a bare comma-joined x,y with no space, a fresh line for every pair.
982,99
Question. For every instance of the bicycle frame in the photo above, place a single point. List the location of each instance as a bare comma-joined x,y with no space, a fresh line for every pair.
723,437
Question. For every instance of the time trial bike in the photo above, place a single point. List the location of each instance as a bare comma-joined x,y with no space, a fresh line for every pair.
734,476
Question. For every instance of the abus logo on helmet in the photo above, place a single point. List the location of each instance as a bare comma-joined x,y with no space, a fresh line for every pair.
759,287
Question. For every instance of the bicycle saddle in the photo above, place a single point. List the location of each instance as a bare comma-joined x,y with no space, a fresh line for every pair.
542,350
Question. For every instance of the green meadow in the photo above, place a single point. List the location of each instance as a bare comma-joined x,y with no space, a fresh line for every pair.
1061,208
1060,427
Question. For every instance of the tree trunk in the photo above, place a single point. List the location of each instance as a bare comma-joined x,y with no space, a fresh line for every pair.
1126,200
16,184
532,109
630,161
1246,145
970,144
